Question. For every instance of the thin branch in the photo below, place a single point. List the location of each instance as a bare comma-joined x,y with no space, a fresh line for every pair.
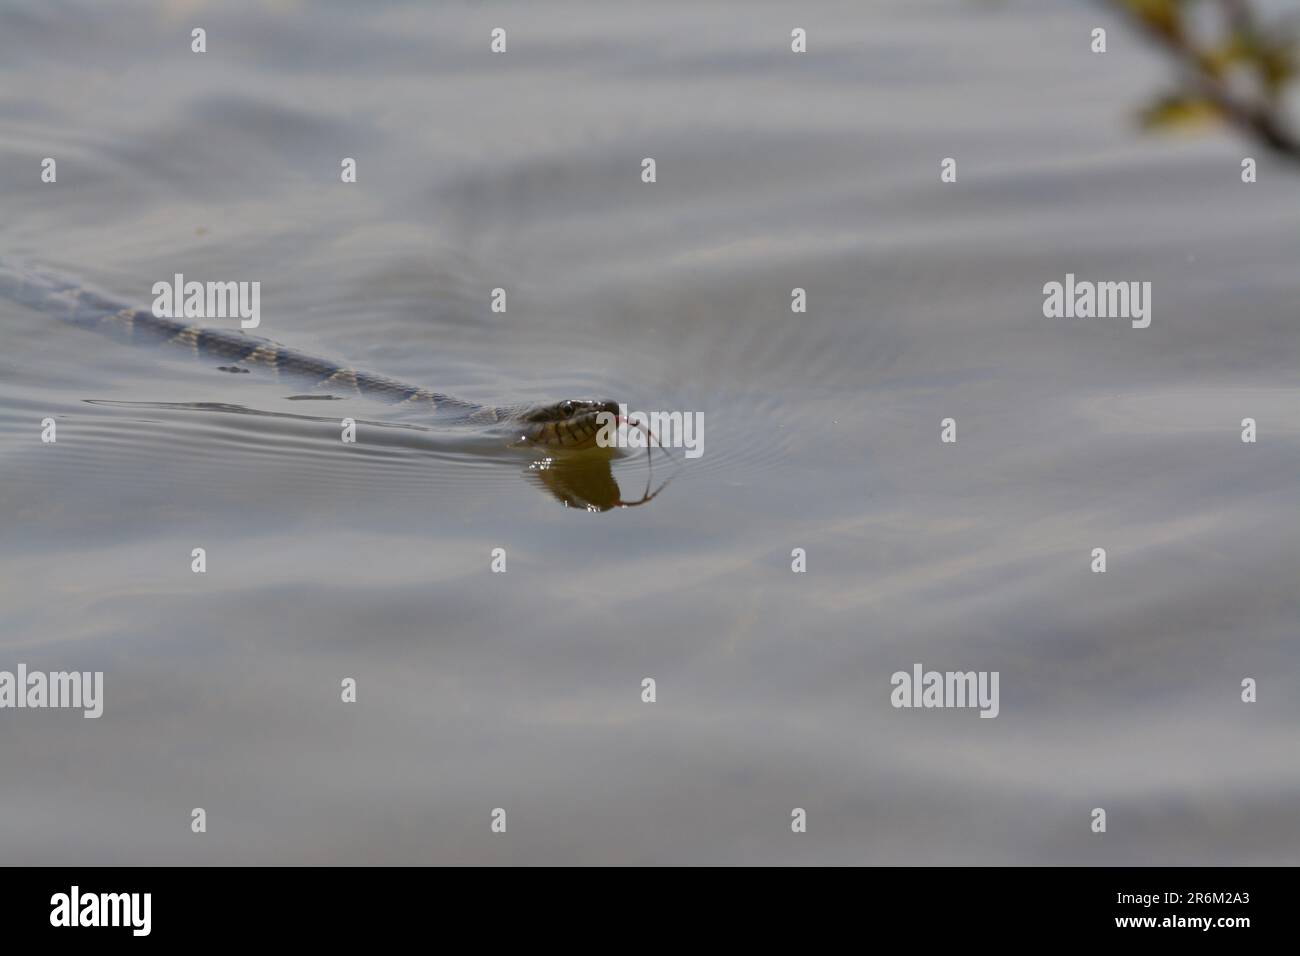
1260,117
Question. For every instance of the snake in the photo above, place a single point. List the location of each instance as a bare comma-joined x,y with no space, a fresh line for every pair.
570,424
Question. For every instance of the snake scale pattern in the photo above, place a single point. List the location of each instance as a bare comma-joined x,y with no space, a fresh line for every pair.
570,424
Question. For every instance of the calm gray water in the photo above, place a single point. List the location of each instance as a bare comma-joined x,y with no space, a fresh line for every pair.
523,690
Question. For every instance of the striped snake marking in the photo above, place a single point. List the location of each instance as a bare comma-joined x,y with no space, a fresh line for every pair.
569,424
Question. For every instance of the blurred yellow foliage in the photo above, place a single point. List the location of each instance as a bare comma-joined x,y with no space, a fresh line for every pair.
1238,73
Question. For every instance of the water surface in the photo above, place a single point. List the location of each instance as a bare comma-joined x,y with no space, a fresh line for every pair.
522,690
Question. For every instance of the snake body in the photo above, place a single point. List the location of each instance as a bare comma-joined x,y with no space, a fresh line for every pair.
569,424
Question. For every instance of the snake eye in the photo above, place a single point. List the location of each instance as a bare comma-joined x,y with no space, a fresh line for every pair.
566,409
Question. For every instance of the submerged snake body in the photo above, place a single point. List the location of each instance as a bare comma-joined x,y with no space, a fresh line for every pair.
569,424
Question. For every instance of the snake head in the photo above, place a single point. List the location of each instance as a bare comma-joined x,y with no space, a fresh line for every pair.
573,423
